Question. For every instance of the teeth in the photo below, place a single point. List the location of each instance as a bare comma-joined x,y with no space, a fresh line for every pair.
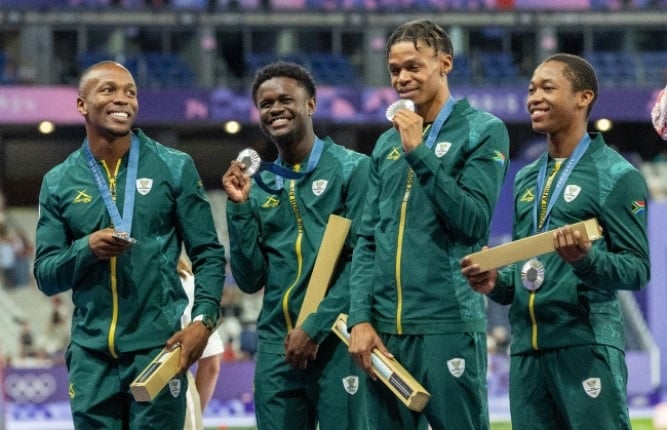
279,121
119,115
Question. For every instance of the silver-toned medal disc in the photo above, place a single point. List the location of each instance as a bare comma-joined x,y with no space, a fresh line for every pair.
397,105
250,159
532,274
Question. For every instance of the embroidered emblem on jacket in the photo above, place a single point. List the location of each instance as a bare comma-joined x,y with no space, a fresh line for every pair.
638,207
499,158
394,154
571,192
82,197
319,186
271,202
528,196
441,148
144,185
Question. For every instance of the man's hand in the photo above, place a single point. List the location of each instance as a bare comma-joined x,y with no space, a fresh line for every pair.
411,128
482,282
104,245
570,245
363,340
193,340
236,182
299,348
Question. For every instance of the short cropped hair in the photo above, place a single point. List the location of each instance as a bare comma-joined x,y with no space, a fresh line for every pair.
580,73
287,70
84,76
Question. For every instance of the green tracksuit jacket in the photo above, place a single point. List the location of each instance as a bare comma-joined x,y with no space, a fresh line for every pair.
406,271
274,240
134,301
577,303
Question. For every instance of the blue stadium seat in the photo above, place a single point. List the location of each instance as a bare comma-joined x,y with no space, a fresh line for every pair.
331,69
256,61
167,70
613,68
498,67
462,73
327,69
654,67
150,70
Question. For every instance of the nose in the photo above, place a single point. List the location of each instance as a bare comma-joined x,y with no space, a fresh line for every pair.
276,107
121,98
533,97
403,76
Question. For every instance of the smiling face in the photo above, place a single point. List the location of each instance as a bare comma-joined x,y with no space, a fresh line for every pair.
554,106
108,101
418,73
285,109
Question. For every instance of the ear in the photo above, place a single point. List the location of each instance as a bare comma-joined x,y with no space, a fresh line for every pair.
312,105
585,98
446,64
81,106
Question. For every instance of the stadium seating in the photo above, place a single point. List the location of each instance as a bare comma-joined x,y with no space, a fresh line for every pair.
498,68
327,69
613,68
151,69
654,66
462,73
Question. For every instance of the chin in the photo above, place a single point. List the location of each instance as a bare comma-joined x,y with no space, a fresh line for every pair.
116,132
281,139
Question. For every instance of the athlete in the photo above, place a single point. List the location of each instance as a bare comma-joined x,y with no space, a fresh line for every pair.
567,366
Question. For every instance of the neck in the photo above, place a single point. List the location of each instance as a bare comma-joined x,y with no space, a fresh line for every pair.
109,150
562,146
295,152
429,111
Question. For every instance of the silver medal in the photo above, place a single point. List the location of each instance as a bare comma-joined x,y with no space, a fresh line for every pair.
398,105
532,274
250,158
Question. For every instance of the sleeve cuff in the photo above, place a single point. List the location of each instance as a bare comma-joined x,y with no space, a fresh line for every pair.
238,209
585,265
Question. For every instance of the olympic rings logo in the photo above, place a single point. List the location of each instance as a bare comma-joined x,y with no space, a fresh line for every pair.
30,388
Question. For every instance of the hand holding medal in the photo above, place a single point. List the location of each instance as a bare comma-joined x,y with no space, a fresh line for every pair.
398,105
250,160
253,164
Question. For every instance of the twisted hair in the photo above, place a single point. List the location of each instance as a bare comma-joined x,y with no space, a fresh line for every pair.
427,31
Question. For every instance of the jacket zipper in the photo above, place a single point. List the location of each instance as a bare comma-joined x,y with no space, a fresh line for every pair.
113,269
297,250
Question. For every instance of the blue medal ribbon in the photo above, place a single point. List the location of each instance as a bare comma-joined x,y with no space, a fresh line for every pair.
444,113
121,224
283,172
579,152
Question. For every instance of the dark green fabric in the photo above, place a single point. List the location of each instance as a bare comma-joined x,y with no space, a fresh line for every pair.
558,389
332,388
452,368
175,212
266,253
454,192
263,233
100,397
578,304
